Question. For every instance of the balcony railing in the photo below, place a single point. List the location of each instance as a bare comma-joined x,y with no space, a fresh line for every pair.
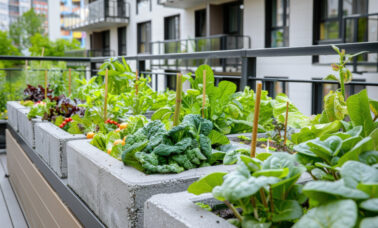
99,14
90,53
200,44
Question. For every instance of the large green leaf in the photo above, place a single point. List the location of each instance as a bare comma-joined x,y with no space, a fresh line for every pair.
370,205
364,145
369,222
336,214
354,172
218,138
369,157
369,188
317,130
286,210
280,173
334,107
323,191
359,112
251,222
207,183
240,184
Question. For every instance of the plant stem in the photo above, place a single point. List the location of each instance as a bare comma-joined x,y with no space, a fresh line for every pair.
256,121
271,199
178,100
313,177
263,198
234,210
255,211
342,82
286,117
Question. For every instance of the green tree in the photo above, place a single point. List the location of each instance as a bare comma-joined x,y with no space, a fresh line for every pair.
57,48
25,27
7,48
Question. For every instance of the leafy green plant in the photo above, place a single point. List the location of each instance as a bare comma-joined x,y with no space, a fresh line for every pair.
265,191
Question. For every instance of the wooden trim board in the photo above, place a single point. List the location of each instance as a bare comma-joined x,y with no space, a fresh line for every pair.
41,204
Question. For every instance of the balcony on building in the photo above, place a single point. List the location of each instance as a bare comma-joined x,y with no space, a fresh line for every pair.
100,14
184,4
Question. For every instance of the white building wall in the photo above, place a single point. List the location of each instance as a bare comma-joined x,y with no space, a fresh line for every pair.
300,34
53,18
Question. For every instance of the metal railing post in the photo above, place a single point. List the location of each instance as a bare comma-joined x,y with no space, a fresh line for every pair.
248,70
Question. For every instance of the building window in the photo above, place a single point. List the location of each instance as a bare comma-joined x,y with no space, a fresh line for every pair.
170,79
320,90
233,18
106,43
200,23
275,87
142,5
122,41
277,21
330,24
172,28
144,37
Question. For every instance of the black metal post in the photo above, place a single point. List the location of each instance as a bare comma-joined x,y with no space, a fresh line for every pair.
248,70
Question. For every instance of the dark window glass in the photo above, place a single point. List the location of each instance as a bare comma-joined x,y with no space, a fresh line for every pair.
331,22
200,23
276,87
106,43
144,37
233,18
122,41
278,17
172,28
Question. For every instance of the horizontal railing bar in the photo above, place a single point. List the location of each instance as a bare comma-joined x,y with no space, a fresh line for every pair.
46,58
264,52
23,69
311,81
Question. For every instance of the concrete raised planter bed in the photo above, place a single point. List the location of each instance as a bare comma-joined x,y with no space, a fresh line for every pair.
3,126
13,108
26,126
179,210
234,137
117,193
51,145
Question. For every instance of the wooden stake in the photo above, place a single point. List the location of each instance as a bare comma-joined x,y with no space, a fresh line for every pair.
69,82
26,71
106,95
203,93
136,81
176,116
286,117
45,84
256,120
43,53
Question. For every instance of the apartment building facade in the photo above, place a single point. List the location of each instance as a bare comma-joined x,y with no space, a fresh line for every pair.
132,27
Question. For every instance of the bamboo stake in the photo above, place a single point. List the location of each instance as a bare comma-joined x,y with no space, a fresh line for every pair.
178,100
69,82
203,93
136,81
45,84
106,95
286,117
43,53
26,71
256,121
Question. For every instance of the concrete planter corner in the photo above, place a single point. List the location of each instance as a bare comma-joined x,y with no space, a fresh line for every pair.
116,193
51,145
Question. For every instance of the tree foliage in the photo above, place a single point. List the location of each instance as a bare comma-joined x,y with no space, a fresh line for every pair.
25,27
39,42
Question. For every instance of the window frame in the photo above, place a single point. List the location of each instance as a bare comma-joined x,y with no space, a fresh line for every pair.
269,28
137,5
120,44
148,37
166,26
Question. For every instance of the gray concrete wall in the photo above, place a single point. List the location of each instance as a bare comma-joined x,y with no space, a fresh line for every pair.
26,126
13,107
51,145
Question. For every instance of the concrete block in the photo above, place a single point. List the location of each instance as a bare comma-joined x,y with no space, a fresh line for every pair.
26,126
179,210
115,192
51,144
12,108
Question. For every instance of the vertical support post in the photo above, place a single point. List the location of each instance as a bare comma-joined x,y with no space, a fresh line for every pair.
248,70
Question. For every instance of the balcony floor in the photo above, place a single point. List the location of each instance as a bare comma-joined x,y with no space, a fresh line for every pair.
11,214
